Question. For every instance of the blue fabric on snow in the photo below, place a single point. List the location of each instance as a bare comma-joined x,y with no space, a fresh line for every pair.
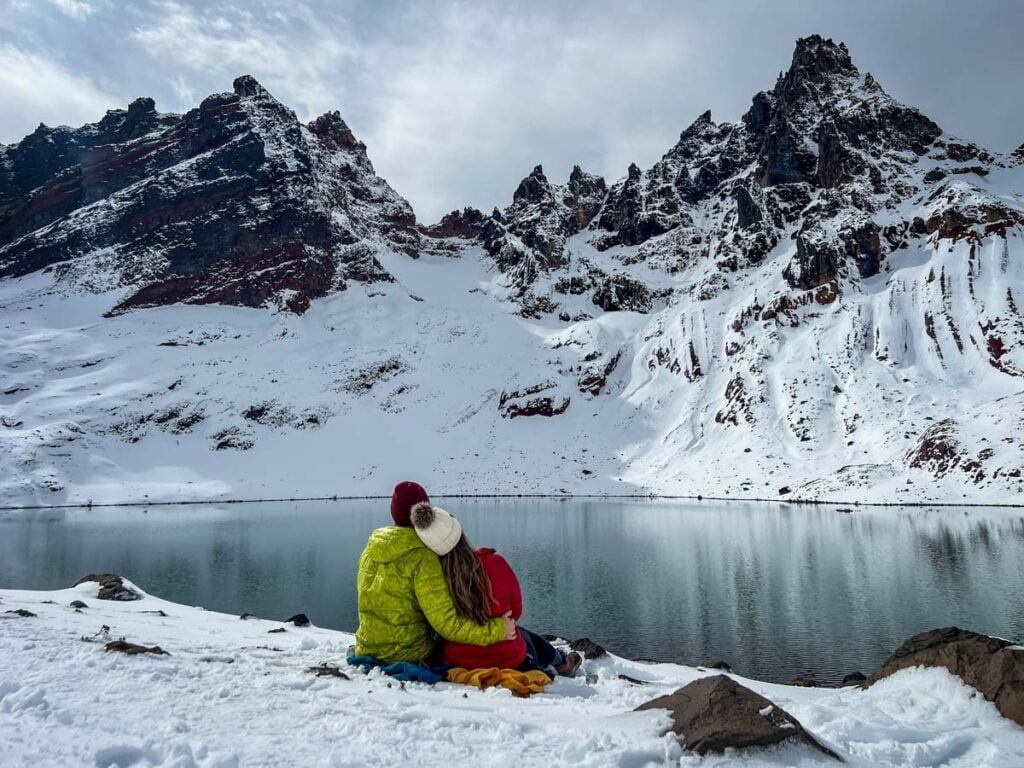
401,670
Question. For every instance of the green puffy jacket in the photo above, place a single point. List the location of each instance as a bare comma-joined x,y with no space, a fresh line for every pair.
404,601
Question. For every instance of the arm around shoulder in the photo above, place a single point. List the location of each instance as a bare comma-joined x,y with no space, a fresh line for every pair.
436,604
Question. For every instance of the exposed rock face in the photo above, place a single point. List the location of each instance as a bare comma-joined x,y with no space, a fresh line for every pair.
466,224
620,293
992,665
963,449
717,713
235,202
537,400
527,239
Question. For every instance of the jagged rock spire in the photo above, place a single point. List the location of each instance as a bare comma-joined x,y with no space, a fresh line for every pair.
817,58
247,86
334,131
534,188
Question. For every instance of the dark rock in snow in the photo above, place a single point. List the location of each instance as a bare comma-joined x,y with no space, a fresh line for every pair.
328,670
111,587
804,681
633,680
717,713
299,620
854,678
723,665
588,648
22,613
990,664
748,212
467,224
536,400
620,293
78,605
784,490
132,649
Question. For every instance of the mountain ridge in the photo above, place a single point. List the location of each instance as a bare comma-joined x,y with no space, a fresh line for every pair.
826,292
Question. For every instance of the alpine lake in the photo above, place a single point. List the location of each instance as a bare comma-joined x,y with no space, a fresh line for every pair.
775,590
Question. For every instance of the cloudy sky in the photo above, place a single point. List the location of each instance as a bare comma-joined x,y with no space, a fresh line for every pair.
458,100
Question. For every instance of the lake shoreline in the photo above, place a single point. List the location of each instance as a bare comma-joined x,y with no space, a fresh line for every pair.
796,501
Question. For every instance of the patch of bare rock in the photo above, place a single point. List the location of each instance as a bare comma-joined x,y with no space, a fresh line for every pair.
112,587
716,713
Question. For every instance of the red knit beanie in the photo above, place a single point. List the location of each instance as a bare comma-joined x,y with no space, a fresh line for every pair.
406,495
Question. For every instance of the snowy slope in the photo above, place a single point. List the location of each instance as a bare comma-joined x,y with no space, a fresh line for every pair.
231,694
825,297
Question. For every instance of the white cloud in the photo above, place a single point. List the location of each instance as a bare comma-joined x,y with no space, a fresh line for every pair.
483,89
75,9
295,55
458,100
36,89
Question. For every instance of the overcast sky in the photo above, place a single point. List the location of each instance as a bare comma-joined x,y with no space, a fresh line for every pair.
458,100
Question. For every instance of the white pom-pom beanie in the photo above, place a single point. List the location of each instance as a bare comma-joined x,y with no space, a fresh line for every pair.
437,529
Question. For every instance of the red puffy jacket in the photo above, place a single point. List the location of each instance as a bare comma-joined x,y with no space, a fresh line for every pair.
507,654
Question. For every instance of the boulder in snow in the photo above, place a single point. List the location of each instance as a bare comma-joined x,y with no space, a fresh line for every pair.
992,665
588,648
112,587
717,713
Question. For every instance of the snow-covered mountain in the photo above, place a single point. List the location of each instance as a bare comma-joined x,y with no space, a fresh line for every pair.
823,297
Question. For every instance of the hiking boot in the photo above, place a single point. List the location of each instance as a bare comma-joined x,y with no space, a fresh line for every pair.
570,664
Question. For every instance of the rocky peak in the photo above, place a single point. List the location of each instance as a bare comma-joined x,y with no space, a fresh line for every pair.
120,125
583,183
233,202
698,128
528,237
584,195
141,106
817,59
246,86
533,189
334,131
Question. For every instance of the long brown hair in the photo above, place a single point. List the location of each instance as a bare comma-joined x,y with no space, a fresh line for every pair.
468,583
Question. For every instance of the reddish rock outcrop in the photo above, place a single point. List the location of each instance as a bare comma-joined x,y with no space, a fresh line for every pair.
234,202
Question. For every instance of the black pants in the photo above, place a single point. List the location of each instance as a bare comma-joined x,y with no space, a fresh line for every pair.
540,654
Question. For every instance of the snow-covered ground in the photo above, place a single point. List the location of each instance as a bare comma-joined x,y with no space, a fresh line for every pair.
230,694
388,381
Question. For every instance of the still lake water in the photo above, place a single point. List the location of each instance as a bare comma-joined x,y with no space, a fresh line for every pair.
774,590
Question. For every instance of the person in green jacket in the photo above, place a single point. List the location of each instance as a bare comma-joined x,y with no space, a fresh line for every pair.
404,604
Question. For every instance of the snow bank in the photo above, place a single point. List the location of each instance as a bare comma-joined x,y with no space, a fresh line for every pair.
233,694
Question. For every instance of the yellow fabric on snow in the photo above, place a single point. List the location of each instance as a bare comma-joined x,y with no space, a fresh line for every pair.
520,683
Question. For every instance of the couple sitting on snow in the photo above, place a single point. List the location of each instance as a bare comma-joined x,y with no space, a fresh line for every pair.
427,597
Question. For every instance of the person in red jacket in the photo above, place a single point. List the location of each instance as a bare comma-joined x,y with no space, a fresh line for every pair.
483,585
